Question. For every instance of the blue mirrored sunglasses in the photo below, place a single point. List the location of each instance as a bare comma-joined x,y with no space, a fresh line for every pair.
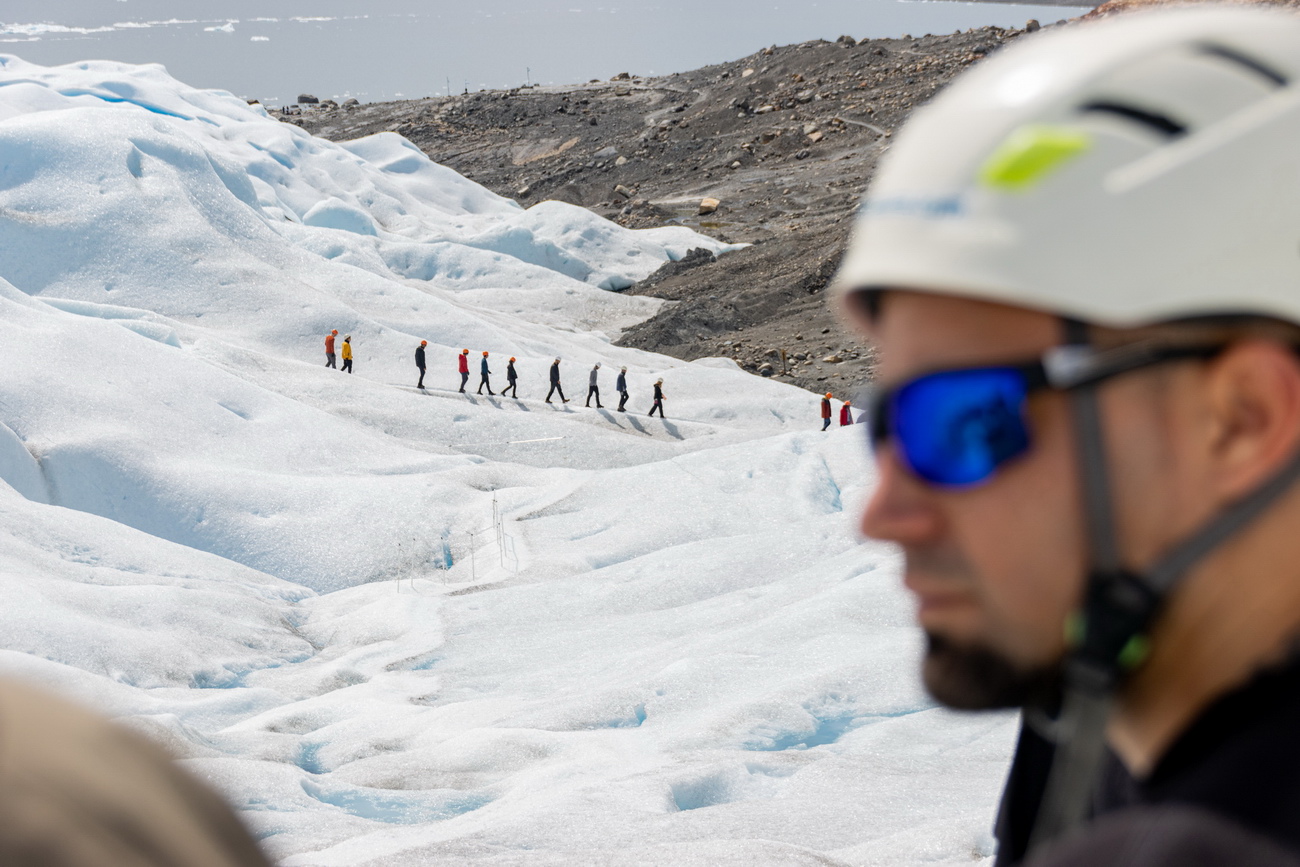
956,427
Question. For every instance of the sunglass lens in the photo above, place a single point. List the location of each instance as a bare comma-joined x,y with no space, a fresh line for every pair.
955,428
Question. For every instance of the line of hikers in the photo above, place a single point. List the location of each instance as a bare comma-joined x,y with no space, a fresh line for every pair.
512,380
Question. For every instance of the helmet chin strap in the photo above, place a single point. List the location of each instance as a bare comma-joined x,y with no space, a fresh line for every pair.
1108,634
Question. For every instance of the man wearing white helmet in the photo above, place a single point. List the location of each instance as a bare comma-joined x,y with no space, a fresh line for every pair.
1081,266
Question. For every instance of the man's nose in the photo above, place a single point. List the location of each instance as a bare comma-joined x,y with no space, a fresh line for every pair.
901,508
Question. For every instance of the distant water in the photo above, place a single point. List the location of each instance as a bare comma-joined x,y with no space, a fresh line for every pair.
386,49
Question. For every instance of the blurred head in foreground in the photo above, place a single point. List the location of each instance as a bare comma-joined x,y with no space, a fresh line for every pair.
77,791
1081,267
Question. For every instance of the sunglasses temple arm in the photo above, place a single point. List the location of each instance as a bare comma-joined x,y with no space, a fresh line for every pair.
1074,366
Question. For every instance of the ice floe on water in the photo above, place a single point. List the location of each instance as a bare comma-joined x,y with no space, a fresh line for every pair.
401,626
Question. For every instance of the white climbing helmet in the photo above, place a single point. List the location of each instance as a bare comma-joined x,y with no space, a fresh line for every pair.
1138,169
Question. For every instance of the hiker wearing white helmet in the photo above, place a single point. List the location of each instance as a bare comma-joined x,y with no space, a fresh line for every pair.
620,385
1081,267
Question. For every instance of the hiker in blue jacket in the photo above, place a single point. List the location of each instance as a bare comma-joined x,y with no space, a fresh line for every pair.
620,385
483,369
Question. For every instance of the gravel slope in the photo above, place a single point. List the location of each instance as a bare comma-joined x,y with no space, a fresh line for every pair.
785,139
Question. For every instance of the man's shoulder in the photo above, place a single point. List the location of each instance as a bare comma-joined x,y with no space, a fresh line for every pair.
1235,768
1165,836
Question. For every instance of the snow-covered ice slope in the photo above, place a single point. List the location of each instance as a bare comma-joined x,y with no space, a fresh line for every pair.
400,626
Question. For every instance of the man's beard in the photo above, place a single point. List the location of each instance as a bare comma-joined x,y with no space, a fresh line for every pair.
976,678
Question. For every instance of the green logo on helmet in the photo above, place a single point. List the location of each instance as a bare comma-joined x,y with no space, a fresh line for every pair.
1030,154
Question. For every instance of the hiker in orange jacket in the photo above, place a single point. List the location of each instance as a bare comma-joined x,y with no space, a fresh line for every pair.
329,349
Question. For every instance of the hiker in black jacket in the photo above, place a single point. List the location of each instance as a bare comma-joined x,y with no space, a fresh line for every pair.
659,399
555,382
419,361
512,379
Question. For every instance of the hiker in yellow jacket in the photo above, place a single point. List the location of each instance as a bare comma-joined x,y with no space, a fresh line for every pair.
347,353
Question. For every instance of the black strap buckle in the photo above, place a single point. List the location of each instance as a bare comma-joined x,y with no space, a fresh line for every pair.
1109,635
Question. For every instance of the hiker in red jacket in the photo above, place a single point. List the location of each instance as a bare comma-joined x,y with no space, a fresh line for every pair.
462,362
329,349
846,414
826,411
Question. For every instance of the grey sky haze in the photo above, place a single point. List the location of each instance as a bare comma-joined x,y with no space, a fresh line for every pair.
275,49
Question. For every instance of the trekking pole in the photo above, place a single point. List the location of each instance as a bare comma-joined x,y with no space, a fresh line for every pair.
499,525
496,518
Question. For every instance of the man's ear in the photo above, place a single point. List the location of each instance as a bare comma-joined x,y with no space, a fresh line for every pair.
1254,398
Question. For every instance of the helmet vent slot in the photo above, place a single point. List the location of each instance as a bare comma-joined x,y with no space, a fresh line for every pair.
1232,56
1160,123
